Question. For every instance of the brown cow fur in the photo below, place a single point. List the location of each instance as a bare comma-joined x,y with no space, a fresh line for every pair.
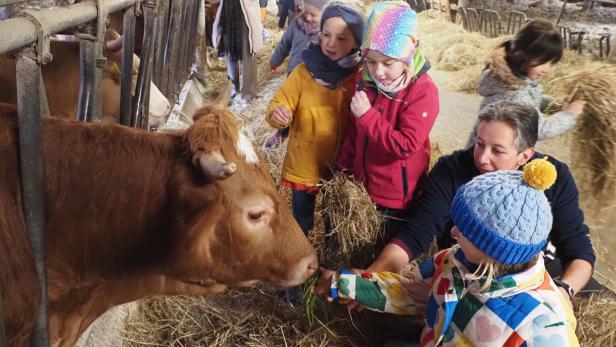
128,215
61,78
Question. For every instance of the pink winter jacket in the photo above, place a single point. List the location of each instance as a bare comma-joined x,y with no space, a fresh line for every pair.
388,148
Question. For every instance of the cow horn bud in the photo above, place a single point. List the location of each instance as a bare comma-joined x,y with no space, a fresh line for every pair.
215,166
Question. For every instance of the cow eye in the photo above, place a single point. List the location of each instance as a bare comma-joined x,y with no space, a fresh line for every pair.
255,216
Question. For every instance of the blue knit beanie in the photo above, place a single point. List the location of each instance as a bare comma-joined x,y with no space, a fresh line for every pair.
505,214
352,18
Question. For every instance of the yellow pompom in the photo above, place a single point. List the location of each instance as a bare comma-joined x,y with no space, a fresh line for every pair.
540,174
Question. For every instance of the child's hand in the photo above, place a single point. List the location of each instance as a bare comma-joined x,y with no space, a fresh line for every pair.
360,103
324,283
282,115
576,107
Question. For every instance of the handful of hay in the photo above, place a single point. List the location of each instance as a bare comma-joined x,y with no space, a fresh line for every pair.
595,135
356,222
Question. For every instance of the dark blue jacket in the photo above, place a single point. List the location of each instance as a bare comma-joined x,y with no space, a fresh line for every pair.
428,214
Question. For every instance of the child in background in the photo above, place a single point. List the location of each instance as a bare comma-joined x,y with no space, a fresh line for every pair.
302,31
313,102
238,36
492,288
515,68
386,143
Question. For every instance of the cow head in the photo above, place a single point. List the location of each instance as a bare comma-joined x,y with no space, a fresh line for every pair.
243,225
159,105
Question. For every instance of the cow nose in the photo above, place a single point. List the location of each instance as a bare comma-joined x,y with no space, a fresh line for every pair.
312,264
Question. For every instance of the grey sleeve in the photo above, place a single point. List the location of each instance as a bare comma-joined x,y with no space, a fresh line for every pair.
549,126
554,125
282,50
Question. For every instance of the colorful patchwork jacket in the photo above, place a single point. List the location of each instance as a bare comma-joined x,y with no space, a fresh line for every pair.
523,309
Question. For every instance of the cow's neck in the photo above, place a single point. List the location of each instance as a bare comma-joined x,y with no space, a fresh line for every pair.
108,206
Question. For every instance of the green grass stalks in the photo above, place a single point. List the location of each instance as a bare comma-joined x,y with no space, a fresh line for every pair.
315,305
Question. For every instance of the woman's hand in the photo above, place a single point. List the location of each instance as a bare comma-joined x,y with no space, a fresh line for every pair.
576,107
282,116
360,103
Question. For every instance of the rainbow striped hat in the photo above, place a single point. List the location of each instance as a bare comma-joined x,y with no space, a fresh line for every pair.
392,30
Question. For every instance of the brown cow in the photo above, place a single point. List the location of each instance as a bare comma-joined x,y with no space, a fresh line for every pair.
61,78
131,214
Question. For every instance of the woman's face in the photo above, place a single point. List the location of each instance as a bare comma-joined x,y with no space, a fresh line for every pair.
337,40
383,68
495,148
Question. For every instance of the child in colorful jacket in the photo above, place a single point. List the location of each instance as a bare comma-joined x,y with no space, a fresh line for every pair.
492,288
386,143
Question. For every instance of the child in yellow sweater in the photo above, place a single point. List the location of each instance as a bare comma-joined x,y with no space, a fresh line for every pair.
314,103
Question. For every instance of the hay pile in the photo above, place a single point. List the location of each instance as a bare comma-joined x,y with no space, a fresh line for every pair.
449,47
596,318
594,140
241,317
255,316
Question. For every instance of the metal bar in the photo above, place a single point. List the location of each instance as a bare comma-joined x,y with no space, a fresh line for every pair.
140,115
99,60
560,14
19,32
184,48
175,48
29,80
128,47
161,35
86,76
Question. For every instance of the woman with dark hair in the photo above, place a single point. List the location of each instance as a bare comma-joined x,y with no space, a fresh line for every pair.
515,68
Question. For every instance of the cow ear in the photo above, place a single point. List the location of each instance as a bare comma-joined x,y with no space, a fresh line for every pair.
222,100
214,165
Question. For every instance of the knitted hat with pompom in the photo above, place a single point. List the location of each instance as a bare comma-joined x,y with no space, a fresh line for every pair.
505,214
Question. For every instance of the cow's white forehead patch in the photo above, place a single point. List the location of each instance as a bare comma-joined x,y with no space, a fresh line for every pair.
244,147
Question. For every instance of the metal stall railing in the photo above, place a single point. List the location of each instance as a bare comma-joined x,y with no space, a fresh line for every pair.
32,31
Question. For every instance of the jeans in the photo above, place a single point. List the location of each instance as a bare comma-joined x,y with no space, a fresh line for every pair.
243,73
303,204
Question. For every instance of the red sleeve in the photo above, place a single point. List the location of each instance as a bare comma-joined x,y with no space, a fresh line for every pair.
415,122
346,155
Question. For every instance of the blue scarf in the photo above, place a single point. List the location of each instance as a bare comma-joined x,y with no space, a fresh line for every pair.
326,71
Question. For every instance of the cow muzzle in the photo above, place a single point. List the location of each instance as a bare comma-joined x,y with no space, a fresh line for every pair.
159,106
300,272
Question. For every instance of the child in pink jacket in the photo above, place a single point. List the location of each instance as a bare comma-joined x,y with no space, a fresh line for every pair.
386,144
